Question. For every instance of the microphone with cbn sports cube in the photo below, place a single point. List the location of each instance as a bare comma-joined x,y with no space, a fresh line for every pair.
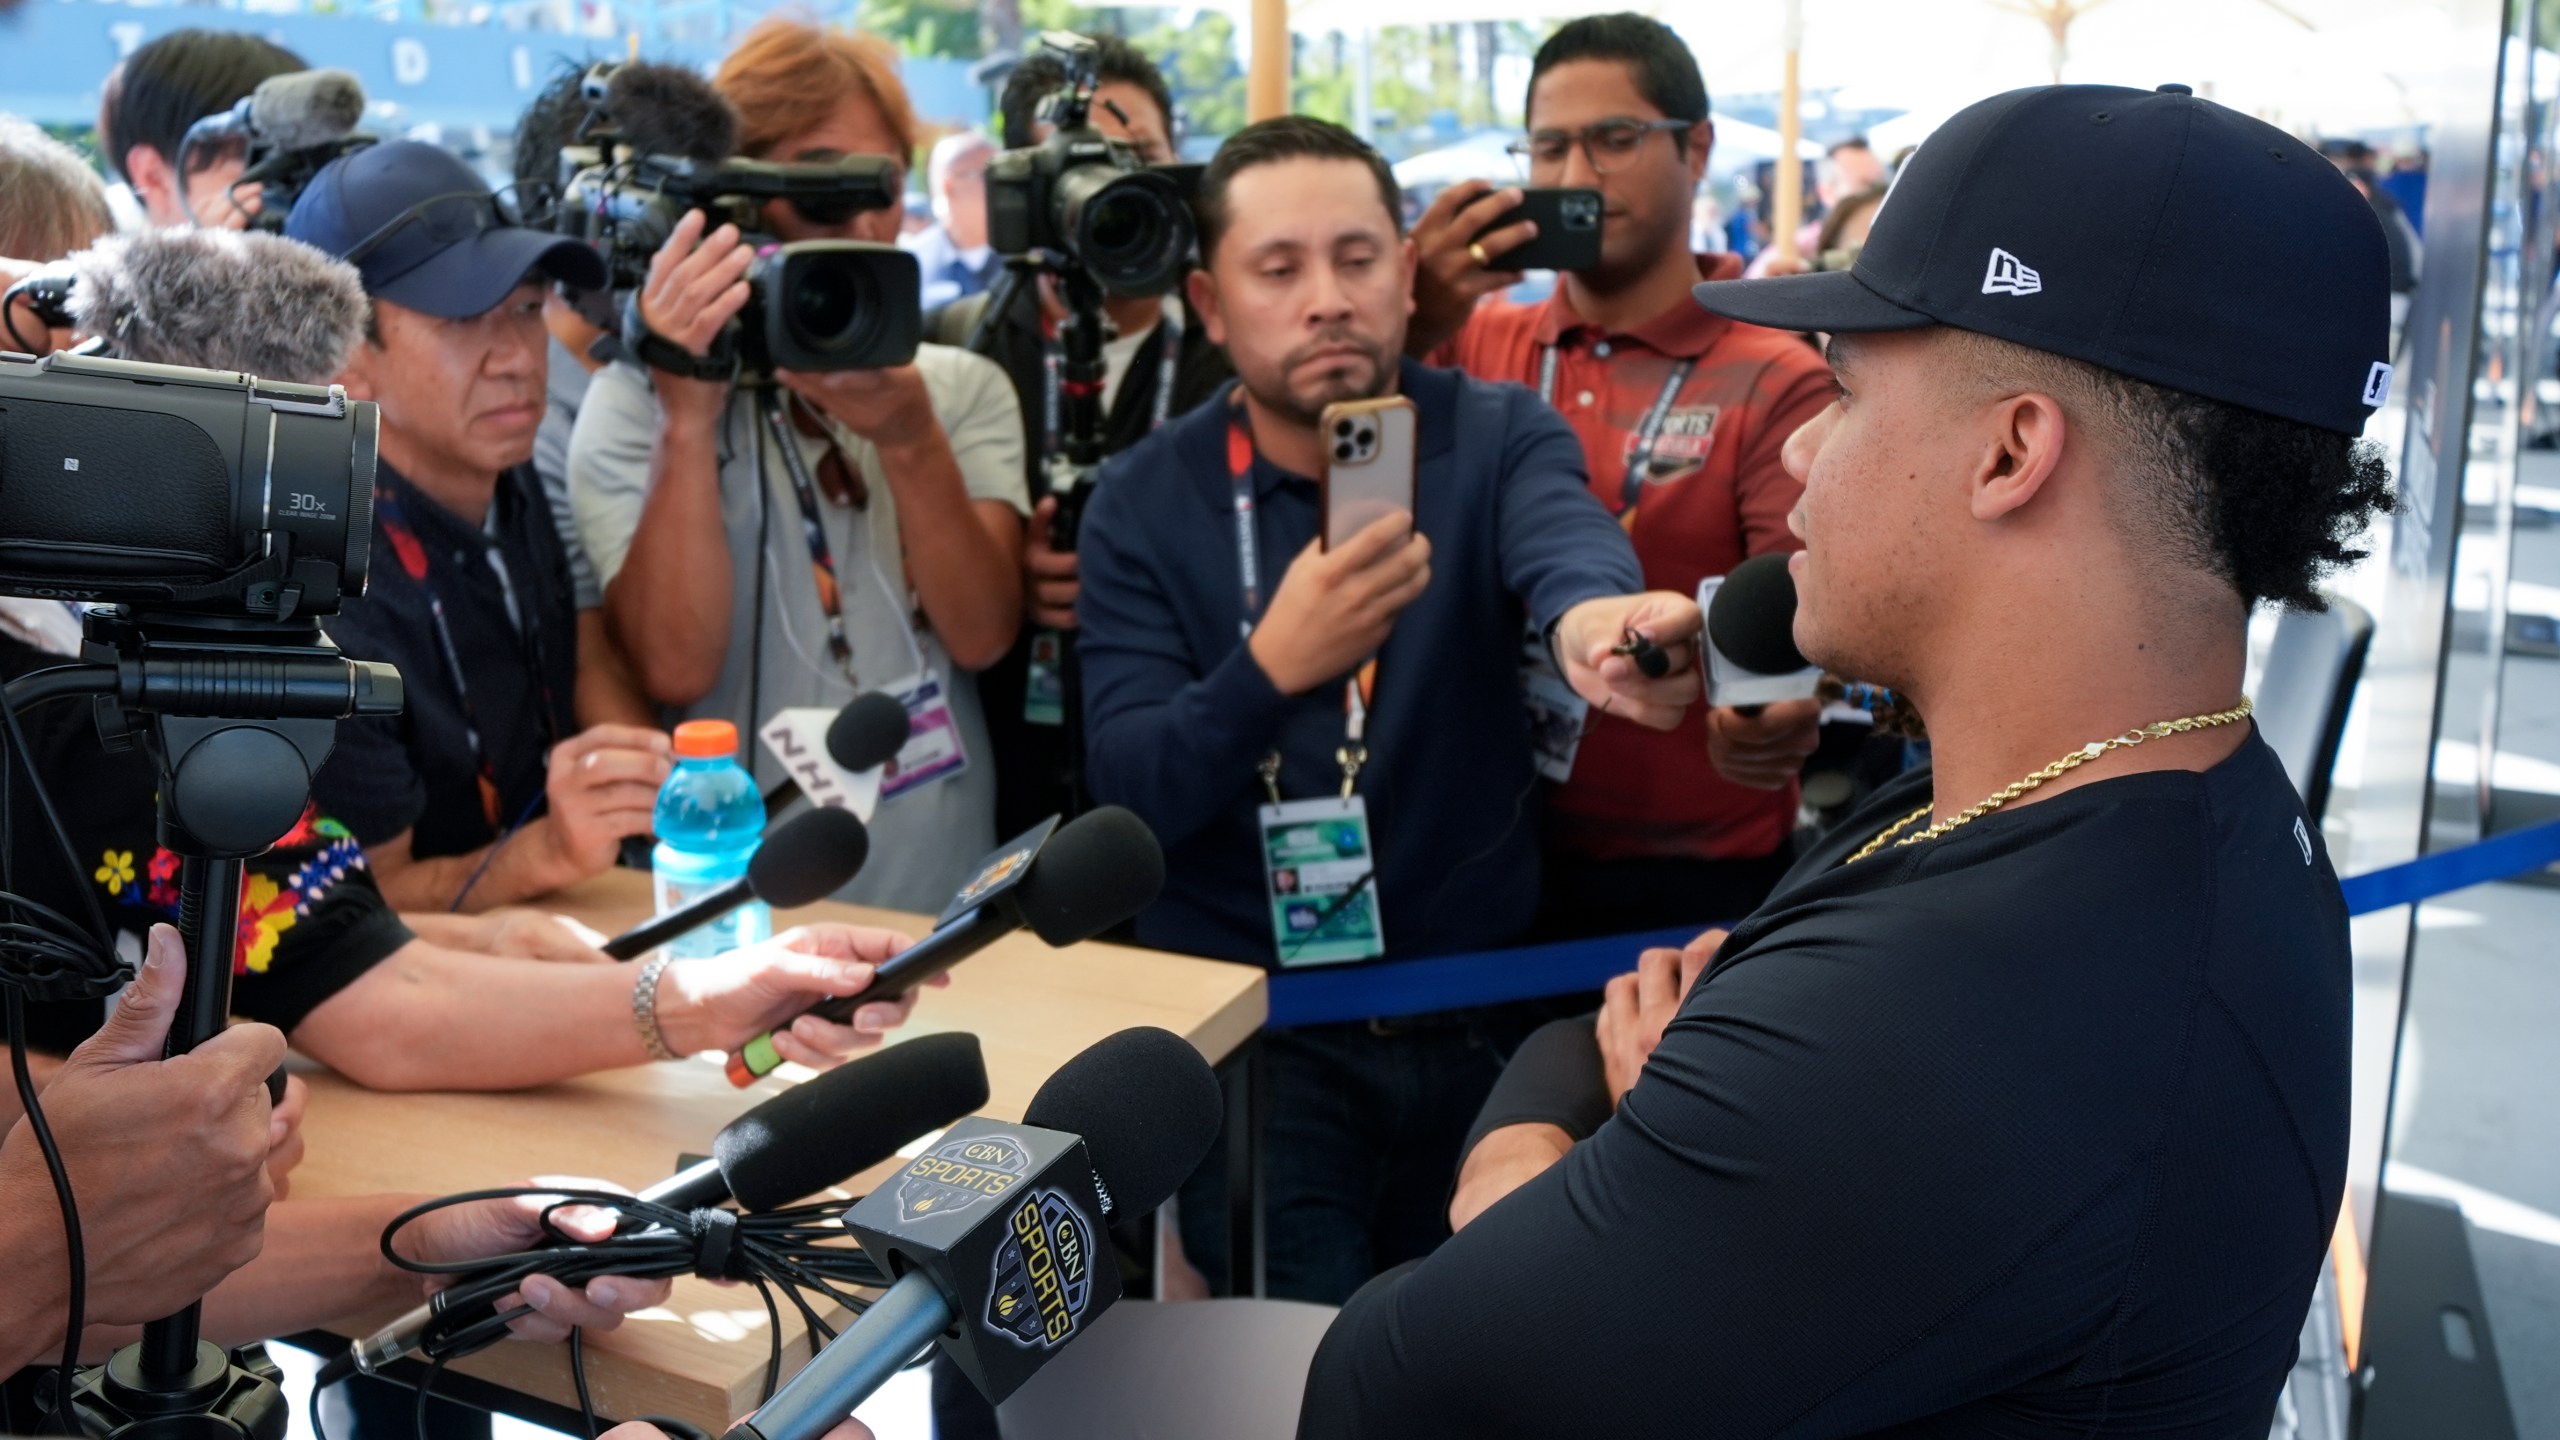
996,1233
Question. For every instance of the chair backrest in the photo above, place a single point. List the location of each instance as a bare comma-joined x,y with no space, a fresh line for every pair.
1191,1370
2304,693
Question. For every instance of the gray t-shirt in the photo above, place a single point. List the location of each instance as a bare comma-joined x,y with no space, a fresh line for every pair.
924,840
565,390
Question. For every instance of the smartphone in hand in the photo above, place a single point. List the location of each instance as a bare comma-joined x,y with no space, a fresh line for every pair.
1369,457
1568,230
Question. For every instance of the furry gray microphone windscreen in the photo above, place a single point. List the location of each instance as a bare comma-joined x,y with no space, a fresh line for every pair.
259,304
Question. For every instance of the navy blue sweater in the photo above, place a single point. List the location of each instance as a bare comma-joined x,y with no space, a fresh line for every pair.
1178,716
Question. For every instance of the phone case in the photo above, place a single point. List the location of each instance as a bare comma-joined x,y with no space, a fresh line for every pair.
1568,229
1368,471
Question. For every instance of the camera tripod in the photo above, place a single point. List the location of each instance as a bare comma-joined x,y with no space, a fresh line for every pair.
1078,456
238,716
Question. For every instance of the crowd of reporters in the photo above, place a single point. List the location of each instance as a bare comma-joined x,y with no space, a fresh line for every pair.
599,518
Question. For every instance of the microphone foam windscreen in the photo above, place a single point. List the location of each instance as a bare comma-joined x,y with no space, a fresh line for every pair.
825,1131
808,857
221,300
1099,869
1147,1106
869,731
303,108
1752,618
670,110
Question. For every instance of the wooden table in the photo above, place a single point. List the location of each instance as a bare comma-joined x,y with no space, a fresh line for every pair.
702,1357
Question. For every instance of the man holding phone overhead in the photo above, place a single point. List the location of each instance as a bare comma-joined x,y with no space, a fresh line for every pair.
1681,415
1273,705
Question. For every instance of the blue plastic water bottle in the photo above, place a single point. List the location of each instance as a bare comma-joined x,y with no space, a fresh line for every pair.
710,821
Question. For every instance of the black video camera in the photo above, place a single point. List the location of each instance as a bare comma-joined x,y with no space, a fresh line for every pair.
812,304
182,492
1088,197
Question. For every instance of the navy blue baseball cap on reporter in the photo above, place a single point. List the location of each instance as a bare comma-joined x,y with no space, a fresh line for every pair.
426,232
2146,232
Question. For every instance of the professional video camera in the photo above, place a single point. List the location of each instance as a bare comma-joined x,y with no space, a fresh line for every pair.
813,304
1088,197
182,492
291,126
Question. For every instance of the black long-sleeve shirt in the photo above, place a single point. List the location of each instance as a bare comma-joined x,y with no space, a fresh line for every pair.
2036,1129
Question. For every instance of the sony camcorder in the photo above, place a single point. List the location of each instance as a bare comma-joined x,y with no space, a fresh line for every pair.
1088,197
182,492
813,304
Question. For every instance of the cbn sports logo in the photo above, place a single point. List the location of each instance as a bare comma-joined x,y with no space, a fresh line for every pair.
2009,275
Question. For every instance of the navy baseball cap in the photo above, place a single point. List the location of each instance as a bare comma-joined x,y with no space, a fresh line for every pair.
426,232
2146,232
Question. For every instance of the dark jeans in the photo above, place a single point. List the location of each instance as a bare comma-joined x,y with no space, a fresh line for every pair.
1587,898
1359,1147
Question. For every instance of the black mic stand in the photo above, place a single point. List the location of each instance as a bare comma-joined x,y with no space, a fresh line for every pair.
238,716
1072,469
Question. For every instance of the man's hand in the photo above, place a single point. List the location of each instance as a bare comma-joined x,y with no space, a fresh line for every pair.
284,1134
1049,594
696,285
603,785
888,407
1767,749
24,328
1334,607
503,1227
1636,1007
169,1158
1503,1161
724,1002
1448,280
1590,633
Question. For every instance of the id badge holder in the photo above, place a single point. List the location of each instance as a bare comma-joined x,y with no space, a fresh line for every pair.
1044,688
1556,714
933,752
1320,874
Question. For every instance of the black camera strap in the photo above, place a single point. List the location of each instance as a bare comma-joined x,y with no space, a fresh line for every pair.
660,353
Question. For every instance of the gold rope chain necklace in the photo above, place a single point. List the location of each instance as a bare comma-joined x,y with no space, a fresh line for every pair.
2158,729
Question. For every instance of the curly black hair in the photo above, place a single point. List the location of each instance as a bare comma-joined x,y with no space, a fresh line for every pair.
2270,506
549,125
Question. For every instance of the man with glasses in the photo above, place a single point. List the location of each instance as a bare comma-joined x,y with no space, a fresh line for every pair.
484,790
1681,415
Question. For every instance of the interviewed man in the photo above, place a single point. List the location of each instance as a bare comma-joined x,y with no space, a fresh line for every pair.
1681,415
1244,684
2021,1107
483,790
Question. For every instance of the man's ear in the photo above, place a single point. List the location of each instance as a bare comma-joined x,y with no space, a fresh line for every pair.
1702,139
1412,268
154,183
1201,290
2022,448
358,376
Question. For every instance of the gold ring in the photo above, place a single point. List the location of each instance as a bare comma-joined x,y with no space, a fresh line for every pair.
1476,249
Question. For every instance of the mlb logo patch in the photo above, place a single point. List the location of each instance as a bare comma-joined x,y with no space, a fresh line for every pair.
2377,384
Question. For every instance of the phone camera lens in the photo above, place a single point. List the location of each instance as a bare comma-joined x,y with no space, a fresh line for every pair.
1342,452
1342,428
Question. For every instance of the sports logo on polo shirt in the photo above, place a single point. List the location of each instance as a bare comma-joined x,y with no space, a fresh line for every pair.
958,1174
2009,275
1043,1273
1688,436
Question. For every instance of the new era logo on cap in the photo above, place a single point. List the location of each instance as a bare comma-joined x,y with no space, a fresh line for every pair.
2377,384
2009,275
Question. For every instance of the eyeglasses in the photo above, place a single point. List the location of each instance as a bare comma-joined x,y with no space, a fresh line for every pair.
1608,145
449,220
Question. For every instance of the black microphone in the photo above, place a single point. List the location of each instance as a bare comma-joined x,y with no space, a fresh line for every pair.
1003,1285
801,1141
1065,887
869,731
1752,658
799,864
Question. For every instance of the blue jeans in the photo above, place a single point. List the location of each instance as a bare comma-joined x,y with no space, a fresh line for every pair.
1359,1147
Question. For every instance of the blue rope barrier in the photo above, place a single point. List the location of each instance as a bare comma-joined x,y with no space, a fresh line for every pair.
1530,972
